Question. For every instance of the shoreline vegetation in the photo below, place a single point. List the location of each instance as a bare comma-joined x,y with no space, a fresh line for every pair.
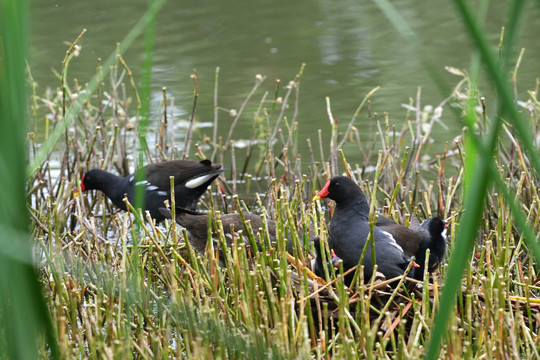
117,285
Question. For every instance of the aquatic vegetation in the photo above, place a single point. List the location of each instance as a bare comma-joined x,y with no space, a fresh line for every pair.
116,284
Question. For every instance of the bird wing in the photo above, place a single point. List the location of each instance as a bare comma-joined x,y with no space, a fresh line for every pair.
159,174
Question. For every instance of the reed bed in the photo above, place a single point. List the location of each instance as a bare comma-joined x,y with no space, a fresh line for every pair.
117,285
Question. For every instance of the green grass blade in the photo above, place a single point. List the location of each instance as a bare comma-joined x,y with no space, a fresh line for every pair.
24,317
498,75
477,183
144,111
479,168
144,115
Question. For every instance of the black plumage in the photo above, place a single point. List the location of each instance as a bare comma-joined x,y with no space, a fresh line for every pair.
191,179
415,240
349,229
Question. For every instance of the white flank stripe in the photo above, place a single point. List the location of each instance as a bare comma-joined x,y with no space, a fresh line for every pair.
162,193
143,182
151,187
393,241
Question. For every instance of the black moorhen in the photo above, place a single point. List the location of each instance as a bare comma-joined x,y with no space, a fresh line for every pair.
349,229
430,234
191,179
196,225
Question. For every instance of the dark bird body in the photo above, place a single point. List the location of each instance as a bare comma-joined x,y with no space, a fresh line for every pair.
197,228
415,240
191,179
349,229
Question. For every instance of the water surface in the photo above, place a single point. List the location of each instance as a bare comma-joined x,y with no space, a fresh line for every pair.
349,48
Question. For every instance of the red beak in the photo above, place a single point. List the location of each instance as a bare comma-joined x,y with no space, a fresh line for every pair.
82,183
76,193
323,193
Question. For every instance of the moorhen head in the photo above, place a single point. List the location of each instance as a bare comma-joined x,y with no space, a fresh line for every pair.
191,179
435,241
349,230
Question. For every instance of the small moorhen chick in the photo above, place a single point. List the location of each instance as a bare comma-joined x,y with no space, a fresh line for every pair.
349,229
191,179
196,225
415,240
317,263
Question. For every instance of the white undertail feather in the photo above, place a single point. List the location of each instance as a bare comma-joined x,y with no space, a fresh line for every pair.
198,181
444,233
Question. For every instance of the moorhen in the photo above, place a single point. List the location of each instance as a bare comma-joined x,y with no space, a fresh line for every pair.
317,265
196,225
430,234
349,229
191,179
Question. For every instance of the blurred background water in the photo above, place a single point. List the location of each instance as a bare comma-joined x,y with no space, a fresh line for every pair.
349,48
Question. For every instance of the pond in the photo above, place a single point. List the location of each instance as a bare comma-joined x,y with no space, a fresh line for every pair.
349,48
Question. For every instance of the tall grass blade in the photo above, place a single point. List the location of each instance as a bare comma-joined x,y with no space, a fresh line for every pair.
24,317
499,75
480,168
479,163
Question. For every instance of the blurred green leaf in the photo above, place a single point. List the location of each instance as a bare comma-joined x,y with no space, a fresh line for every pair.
24,317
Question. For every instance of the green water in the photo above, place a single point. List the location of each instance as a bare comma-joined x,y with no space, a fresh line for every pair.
349,48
